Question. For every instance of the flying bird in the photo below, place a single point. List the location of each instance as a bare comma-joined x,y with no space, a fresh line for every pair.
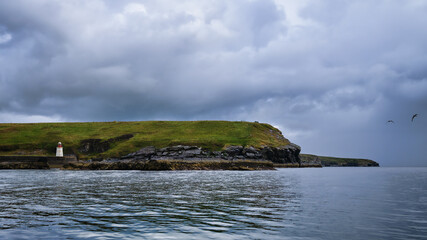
390,121
414,116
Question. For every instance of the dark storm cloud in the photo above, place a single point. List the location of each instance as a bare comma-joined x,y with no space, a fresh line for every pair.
329,74
131,60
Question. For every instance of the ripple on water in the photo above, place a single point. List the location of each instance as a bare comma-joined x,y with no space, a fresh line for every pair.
335,203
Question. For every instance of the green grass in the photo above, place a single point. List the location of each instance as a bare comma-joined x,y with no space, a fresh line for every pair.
41,138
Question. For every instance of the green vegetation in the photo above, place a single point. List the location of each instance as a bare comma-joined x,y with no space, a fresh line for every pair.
41,138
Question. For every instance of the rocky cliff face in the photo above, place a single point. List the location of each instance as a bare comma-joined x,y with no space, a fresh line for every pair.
308,160
285,154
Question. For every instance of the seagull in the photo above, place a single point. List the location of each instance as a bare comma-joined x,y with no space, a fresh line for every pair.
390,121
414,116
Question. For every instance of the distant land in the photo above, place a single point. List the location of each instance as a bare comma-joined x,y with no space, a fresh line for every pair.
337,162
150,145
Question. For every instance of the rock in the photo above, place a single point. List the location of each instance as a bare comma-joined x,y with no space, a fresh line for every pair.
190,147
251,153
284,154
176,148
163,149
150,150
191,153
289,154
250,150
143,153
234,150
216,154
268,153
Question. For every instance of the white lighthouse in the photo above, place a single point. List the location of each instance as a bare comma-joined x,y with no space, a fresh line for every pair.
59,151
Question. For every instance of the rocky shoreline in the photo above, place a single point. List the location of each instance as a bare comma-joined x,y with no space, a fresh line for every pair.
116,144
183,157
288,154
179,157
172,165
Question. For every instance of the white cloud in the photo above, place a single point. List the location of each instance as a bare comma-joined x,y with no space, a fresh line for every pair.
6,117
5,37
133,8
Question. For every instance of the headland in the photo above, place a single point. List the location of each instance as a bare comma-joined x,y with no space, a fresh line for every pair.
149,145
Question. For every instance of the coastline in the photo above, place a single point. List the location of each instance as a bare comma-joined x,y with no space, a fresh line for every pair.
70,163
173,165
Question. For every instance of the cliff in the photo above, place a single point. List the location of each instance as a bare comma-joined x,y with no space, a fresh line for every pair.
283,154
151,140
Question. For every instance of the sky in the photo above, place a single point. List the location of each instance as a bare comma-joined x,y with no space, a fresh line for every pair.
329,74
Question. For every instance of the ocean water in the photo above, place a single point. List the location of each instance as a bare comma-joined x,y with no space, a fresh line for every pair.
311,203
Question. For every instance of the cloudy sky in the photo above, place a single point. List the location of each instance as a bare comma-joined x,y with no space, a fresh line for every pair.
329,74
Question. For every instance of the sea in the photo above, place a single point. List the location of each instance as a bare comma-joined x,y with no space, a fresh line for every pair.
304,203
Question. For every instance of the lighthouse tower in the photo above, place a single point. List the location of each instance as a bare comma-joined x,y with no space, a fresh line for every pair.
59,151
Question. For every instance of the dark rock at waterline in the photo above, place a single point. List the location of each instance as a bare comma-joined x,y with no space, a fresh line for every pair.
24,162
284,154
233,151
156,165
143,153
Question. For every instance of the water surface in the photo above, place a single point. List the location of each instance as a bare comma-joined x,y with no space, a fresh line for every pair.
327,203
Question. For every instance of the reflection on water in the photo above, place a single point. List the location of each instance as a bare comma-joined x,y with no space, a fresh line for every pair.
290,203
146,204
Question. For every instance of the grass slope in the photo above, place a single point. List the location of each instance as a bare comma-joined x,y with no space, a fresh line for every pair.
41,138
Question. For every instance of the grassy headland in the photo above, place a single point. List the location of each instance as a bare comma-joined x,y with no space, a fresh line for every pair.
347,162
41,138
309,159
